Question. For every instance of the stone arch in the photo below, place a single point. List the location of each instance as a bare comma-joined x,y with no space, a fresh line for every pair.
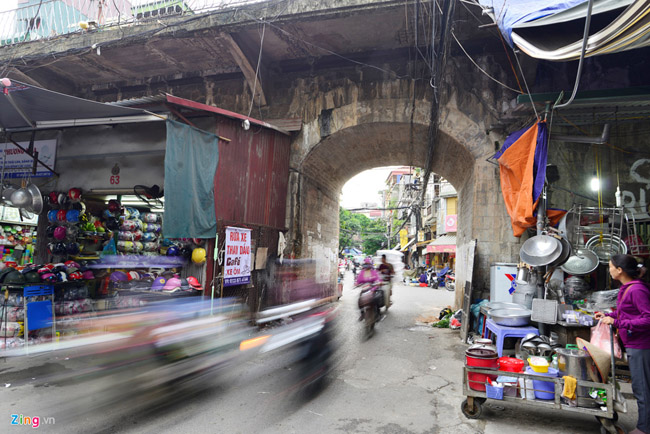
347,140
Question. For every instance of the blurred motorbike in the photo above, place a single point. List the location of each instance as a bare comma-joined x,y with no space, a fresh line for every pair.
450,282
371,300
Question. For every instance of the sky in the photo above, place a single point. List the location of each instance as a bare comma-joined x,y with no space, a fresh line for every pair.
364,187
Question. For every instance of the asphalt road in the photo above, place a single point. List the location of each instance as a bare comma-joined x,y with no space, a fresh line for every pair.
405,379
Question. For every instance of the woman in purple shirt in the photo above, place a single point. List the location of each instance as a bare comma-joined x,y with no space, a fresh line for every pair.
632,319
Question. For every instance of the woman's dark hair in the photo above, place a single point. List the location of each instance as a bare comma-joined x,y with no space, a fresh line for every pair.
628,264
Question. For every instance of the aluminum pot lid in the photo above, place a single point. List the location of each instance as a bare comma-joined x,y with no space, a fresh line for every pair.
583,261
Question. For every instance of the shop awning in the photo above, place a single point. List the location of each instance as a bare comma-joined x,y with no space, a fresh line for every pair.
405,248
553,29
443,244
24,107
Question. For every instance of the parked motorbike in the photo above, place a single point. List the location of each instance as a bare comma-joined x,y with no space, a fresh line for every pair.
439,279
371,300
450,282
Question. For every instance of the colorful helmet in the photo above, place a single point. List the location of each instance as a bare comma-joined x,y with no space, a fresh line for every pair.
114,205
112,224
119,276
58,248
158,284
173,251
186,252
59,233
72,216
32,277
48,277
88,275
72,248
198,241
194,283
79,206
14,277
172,284
165,242
149,237
132,212
70,264
47,268
61,215
74,194
51,215
49,232
75,275
137,235
199,255
133,275
53,198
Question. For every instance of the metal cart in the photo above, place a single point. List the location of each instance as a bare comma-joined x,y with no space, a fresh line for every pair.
471,406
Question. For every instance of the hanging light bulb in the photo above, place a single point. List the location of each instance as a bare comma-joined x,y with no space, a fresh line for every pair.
595,183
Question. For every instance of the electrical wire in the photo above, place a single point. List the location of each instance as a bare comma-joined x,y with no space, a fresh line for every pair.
257,69
479,68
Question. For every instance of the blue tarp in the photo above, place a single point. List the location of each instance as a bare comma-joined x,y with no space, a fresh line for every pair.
191,159
508,13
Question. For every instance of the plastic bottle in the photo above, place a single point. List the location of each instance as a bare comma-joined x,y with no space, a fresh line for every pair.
554,363
619,197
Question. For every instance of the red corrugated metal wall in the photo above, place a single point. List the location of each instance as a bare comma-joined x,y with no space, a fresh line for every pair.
252,175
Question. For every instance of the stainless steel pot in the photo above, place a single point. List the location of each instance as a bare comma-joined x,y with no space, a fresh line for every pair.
583,261
523,275
510,317
564,255
540,250
503,305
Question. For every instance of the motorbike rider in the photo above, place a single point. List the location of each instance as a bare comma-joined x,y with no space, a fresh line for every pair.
368,275
387,271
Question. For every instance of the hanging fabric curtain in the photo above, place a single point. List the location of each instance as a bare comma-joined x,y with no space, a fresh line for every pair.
191,159
522,164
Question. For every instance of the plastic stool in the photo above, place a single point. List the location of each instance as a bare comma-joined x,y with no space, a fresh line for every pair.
502,332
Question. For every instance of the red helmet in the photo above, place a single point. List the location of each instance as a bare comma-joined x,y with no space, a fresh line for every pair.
75,275
74,194
54,198
194,283
61,215
114,205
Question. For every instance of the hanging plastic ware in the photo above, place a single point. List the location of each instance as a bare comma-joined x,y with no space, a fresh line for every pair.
199,255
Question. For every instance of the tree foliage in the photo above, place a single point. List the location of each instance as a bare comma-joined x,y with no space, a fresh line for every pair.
361,232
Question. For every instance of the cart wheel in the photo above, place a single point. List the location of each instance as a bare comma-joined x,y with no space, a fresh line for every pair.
471,413
608,426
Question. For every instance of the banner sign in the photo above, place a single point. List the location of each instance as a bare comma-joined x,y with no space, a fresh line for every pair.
19,165
403,238
237,266
451,223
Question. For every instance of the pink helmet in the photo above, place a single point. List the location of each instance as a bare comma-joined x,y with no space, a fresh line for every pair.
172,284
59,233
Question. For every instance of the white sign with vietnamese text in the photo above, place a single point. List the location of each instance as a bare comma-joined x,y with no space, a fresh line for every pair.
237,266
19,164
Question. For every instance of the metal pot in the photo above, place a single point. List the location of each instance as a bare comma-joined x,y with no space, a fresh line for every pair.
503,305
510,317
540,250
583,261
564,255
523,275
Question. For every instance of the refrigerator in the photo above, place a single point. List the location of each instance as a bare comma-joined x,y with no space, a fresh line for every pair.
502,278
